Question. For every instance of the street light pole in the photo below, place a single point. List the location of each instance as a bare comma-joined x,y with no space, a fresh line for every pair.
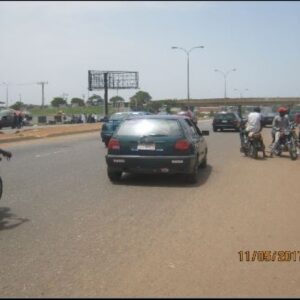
241,96
188,66
225,74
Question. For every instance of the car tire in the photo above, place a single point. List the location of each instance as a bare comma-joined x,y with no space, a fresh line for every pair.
193,177
114,176
203,163
215,129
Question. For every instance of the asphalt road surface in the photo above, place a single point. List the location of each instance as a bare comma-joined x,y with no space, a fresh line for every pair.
66,231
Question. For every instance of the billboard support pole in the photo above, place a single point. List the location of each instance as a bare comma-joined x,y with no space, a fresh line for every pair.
99,80
106,94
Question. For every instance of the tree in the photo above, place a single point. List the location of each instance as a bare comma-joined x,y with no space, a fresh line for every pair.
78,101
140,99
18,105
57,101
94,100
116,99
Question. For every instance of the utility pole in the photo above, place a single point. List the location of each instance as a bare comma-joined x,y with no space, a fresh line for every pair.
42,83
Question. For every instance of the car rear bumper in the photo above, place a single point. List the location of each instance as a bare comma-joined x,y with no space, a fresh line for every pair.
226,126
151,164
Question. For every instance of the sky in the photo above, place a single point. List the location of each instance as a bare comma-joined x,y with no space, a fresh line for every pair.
58,42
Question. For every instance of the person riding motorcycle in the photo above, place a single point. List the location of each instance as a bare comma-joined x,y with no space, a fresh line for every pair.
280,122
253,125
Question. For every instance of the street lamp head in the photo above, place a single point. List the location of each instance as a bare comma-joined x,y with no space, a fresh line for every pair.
234,69
174,47
216,70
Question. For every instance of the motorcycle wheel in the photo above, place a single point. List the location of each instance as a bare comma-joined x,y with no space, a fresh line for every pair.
293,151
1,187
252,151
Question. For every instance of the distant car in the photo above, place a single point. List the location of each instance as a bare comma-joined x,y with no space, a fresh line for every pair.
226,120
113,122
7,118
156,144
293,112
267,118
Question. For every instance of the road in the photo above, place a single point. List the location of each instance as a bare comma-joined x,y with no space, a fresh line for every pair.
66,231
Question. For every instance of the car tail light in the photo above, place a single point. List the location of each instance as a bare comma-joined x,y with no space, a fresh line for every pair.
113,144
182,145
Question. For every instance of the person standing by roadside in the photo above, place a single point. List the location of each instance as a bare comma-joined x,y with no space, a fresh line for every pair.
15,120
20,119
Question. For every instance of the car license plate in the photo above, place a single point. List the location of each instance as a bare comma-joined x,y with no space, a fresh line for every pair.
224,121
146,147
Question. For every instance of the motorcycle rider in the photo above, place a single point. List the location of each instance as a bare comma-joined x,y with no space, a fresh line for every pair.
280,122
253,125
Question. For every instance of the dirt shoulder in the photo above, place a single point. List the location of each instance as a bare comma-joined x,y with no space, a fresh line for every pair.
46,132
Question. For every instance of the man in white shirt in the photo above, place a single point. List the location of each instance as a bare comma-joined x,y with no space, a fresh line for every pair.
254,121
254,125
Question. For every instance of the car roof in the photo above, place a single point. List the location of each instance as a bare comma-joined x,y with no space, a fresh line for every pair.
225,112
161,117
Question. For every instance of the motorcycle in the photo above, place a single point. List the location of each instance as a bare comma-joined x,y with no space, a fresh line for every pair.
287,142
252,144
8,155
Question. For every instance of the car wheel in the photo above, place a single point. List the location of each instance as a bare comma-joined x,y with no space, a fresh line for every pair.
204,162
193,177
214,129
114,176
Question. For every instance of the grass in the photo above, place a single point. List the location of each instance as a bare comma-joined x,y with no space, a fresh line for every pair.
51,111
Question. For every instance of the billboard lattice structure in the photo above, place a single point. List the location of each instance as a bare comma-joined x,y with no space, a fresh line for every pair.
98,80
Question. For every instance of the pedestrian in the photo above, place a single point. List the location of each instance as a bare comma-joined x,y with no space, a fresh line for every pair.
20,120
15,120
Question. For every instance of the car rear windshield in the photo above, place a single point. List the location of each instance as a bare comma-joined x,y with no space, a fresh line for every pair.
118,116
152,127
225,116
